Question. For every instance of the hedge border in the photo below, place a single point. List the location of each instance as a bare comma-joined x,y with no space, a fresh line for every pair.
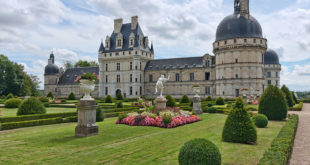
281,147
36,117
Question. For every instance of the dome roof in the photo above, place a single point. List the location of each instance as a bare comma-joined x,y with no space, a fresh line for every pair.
271,57
51,69
236,26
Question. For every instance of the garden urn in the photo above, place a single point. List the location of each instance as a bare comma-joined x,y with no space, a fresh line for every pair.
87,86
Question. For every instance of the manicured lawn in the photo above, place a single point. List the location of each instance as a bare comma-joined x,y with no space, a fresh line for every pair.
122,144
12,112
220,106
252,106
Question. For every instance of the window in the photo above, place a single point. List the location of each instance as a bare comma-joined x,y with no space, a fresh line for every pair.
269,82
119,42
177,77
140,78
129,52
140,42
192,78
245,40
118,78
150,78
140,90
235,41
237,76
136,79
261,41
110,54
268,74
116,54
106,78
130,77
140,65
123,53
208,64
225,42
107,44
207,90
130,65
277,74
118,66
105,55
131,42
218,44
136,67
207,76
130,90
106,67
136,92
254,40
136,52
236,60
223,93
106,90
277,82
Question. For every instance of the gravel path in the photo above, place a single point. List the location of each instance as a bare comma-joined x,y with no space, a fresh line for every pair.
301,149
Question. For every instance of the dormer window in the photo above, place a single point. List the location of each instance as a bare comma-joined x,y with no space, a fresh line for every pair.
119,43
131,42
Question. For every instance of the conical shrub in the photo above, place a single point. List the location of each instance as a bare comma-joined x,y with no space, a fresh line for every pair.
288,96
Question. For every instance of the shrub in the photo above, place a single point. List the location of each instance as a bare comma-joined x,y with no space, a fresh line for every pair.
119,96
199,152
298,107
21,124
170,101
63,100
71,96
121,116
209,105
9,96
288,96
239,127
108,99
43,99
167,117
152,115
273,104
281,147
99,114
119,105
211,110
12,103
260,120
209,98
31,106
220,101
239,103
50,95
185,99
46,104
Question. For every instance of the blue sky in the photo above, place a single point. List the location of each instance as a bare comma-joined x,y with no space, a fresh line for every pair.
73,29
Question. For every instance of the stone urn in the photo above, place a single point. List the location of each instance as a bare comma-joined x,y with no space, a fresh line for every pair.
196,91
87,86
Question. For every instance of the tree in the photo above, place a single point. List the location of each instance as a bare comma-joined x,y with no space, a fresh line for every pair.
170,101
85,63
288,96
185,99
68,65
294,98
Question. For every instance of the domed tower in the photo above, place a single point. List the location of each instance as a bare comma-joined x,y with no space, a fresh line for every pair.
51,76
272,68
239,51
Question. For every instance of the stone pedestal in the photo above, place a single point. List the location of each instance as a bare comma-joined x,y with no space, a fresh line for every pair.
197,105
160,103
86,125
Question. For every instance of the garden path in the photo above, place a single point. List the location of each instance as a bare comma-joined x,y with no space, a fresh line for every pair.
301,149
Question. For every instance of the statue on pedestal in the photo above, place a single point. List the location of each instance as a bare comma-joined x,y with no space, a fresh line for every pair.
160,85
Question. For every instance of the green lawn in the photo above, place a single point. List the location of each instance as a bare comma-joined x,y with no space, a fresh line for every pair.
252,106
122,144
12,112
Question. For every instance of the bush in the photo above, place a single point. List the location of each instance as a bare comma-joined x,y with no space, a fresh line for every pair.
209,105
199,152
46,104
211,110
36,117
167,117
108,99
44,99
209,98
50,95
294,98
12,103
239,127
119,96
239,103
298,107
185,99
121,116
281,147
71,96
288,96
273,104
170,101
119,105
220,101
99,114
21,124
9,96
260,120
63,100
31,106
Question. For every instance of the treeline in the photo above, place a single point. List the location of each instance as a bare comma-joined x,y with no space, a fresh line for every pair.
13,79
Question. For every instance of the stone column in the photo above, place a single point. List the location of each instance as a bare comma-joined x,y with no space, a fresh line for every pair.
86,125
197,104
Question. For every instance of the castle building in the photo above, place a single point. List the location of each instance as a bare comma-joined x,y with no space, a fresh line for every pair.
241,63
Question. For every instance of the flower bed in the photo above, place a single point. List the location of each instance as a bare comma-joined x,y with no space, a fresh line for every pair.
144,120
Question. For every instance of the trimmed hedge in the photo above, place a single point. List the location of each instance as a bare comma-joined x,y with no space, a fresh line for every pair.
13,103
36,117
260,120
281,147
108,99
297,107
99,114
62,106
220,101
31,106
21,124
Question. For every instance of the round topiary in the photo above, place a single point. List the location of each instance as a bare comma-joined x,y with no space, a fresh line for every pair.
288,96
31,106
108,99
170,101
119,105
220,101
239,127
71,96
209,98
12,103
46,104
99,114
273,104
199,152
185,99
260,120
50,95
119,96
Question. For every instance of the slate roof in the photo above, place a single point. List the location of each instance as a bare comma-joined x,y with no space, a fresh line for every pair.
271,57
174,63
70,74
125,31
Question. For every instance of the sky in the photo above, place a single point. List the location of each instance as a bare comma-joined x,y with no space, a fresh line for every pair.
73,30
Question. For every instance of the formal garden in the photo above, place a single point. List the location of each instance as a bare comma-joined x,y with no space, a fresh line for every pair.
37,130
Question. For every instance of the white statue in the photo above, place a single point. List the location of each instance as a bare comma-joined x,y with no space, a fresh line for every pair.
160,85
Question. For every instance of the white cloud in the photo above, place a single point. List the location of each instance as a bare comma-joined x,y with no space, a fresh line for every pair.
297,77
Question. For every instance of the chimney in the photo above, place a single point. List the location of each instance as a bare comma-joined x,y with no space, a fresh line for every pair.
118,25
134,22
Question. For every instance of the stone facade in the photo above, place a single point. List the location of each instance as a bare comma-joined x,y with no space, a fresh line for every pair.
127,64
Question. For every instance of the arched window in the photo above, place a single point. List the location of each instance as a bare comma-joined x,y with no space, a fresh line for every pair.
208,64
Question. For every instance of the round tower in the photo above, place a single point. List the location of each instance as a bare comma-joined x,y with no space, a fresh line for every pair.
272,68
51,76
239,51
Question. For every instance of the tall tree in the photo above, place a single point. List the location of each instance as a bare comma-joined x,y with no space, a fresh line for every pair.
288,96
85,63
